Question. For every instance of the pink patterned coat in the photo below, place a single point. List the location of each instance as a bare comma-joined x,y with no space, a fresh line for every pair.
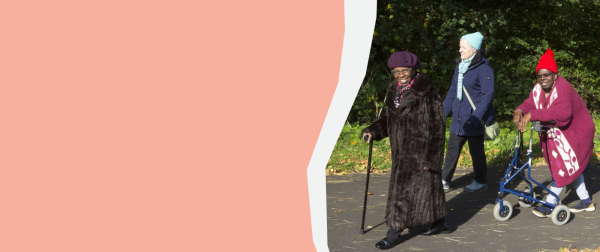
568,146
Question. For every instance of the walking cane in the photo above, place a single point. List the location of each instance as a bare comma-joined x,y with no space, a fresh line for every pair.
362,226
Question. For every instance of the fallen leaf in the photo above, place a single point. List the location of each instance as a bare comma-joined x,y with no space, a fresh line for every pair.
338,211
369,193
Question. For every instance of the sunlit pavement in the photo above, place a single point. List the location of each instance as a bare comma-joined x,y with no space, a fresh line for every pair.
474,227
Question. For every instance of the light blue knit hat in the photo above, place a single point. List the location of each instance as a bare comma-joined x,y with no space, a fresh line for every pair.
474,39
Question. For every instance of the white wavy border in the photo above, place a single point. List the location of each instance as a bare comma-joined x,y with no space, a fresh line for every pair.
359,17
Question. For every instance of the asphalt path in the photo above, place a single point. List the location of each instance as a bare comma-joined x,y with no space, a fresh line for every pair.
474,227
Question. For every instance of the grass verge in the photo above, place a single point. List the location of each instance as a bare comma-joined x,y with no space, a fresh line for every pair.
351,153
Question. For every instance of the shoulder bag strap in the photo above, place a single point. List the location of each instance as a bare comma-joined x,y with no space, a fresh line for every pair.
472,105
469,97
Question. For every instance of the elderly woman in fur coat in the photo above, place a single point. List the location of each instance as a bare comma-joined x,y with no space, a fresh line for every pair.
415,125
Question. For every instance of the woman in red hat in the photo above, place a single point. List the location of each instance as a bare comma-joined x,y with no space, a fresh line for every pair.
568,145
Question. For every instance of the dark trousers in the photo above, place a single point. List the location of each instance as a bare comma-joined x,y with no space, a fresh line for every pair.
455,145
393,234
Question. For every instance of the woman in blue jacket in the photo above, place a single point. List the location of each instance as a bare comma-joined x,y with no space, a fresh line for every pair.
473,74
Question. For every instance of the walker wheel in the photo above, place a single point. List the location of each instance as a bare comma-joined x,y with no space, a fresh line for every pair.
503,216
561,215
524,202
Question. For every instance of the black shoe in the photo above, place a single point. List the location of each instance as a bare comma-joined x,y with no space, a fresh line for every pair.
386,244
438,229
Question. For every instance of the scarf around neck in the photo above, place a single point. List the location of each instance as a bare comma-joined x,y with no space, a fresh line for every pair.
400,90
561,156
463,66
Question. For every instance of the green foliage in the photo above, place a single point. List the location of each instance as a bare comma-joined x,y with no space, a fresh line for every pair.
516,32
597,135
350,153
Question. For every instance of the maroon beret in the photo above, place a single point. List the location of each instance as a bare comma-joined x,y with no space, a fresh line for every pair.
404,59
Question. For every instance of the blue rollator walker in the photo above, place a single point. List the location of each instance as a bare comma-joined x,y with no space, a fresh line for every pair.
560,214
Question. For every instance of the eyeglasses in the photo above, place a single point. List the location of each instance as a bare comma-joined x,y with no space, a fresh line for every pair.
403,71
546,75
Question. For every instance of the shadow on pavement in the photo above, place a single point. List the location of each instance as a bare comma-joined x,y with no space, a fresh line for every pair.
463,206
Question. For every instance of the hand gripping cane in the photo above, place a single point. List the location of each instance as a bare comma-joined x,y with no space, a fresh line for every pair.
362,226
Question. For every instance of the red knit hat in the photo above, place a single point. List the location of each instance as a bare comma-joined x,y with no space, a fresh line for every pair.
547,62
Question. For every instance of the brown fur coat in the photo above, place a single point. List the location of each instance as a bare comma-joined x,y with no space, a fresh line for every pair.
416,130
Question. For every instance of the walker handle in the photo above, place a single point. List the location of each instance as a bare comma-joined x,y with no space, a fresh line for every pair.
537,125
